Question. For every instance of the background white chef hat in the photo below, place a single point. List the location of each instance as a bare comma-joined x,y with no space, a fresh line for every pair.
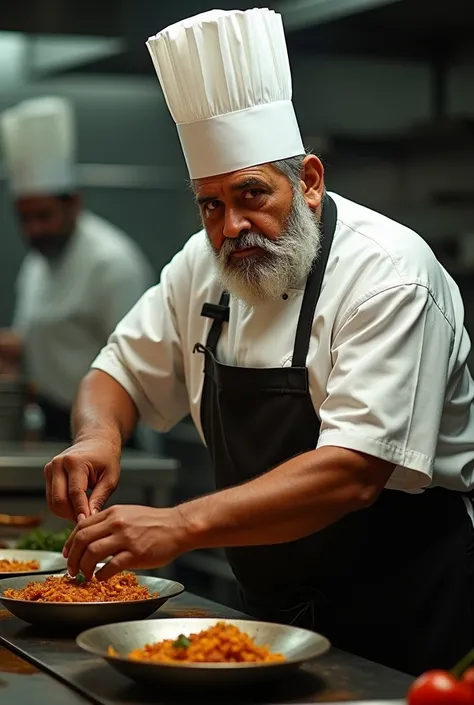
226,79
38,144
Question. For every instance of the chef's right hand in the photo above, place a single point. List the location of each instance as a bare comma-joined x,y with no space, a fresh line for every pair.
88,464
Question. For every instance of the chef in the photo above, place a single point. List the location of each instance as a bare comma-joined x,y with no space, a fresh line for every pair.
320,349
81,274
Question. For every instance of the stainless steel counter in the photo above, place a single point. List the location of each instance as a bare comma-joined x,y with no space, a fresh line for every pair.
336,677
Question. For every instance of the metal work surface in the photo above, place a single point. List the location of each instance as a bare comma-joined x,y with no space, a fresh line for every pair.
336,677
23,683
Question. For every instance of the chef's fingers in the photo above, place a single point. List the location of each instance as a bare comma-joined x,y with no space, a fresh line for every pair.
82,540
121,561
101,493
97,552
78,482
57,492
84,524
48,481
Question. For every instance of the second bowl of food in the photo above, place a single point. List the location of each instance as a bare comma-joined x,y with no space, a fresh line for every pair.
196,651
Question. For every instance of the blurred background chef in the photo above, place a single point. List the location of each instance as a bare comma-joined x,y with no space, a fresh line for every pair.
81,274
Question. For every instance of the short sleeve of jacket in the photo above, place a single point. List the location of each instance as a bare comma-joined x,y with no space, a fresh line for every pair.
144,353
120,285
387,386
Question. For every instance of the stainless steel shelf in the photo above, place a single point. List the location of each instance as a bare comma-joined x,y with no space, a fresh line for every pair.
128,176
21,466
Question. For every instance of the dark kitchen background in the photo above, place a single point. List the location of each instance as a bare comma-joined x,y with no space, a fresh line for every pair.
384,91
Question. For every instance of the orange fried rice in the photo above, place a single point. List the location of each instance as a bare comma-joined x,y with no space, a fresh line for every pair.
221,643
123,587
13,566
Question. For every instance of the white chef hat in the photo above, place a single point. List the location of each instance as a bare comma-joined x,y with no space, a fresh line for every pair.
226,79
38,144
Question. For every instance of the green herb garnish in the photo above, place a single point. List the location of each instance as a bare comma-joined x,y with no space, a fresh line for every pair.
80,578
182,642
40,540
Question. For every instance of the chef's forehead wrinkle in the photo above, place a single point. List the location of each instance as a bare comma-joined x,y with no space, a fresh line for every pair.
244,183
291,168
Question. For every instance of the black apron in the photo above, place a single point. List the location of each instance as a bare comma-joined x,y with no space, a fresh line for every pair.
391,583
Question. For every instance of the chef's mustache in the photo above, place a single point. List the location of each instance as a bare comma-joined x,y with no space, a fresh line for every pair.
245,241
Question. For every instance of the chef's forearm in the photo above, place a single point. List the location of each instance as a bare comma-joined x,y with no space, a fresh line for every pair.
103,410
300,497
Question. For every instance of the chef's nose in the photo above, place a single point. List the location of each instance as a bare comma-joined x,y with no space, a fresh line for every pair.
235,223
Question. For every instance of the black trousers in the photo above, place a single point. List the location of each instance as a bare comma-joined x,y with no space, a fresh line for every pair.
57,419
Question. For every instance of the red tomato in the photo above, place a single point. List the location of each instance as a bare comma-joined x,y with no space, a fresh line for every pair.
468,677
440,688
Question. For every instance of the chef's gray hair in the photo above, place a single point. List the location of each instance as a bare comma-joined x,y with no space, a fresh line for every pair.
291,168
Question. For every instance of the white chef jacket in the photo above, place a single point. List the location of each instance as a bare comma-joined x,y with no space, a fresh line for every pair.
387,357
66,309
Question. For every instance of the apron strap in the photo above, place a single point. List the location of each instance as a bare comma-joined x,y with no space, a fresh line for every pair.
220,314
314,284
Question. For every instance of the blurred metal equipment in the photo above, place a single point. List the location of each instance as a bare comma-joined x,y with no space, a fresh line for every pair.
147,479
298,14
119,176
13,394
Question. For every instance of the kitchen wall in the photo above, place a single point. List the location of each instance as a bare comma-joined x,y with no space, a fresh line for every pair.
364,98
373,100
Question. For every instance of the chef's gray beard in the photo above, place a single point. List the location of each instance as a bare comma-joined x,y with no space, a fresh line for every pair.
281,265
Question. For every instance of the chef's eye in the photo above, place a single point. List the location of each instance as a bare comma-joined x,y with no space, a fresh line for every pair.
212,206
253,193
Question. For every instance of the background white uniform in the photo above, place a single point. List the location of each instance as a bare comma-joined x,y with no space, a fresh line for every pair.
387,359
65,309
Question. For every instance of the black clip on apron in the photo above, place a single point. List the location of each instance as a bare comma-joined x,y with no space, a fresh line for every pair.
378,582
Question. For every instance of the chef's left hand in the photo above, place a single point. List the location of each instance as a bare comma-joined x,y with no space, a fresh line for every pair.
137,537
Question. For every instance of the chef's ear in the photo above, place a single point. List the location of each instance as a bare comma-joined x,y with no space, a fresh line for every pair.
312,181
76,205
72,203
72,200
